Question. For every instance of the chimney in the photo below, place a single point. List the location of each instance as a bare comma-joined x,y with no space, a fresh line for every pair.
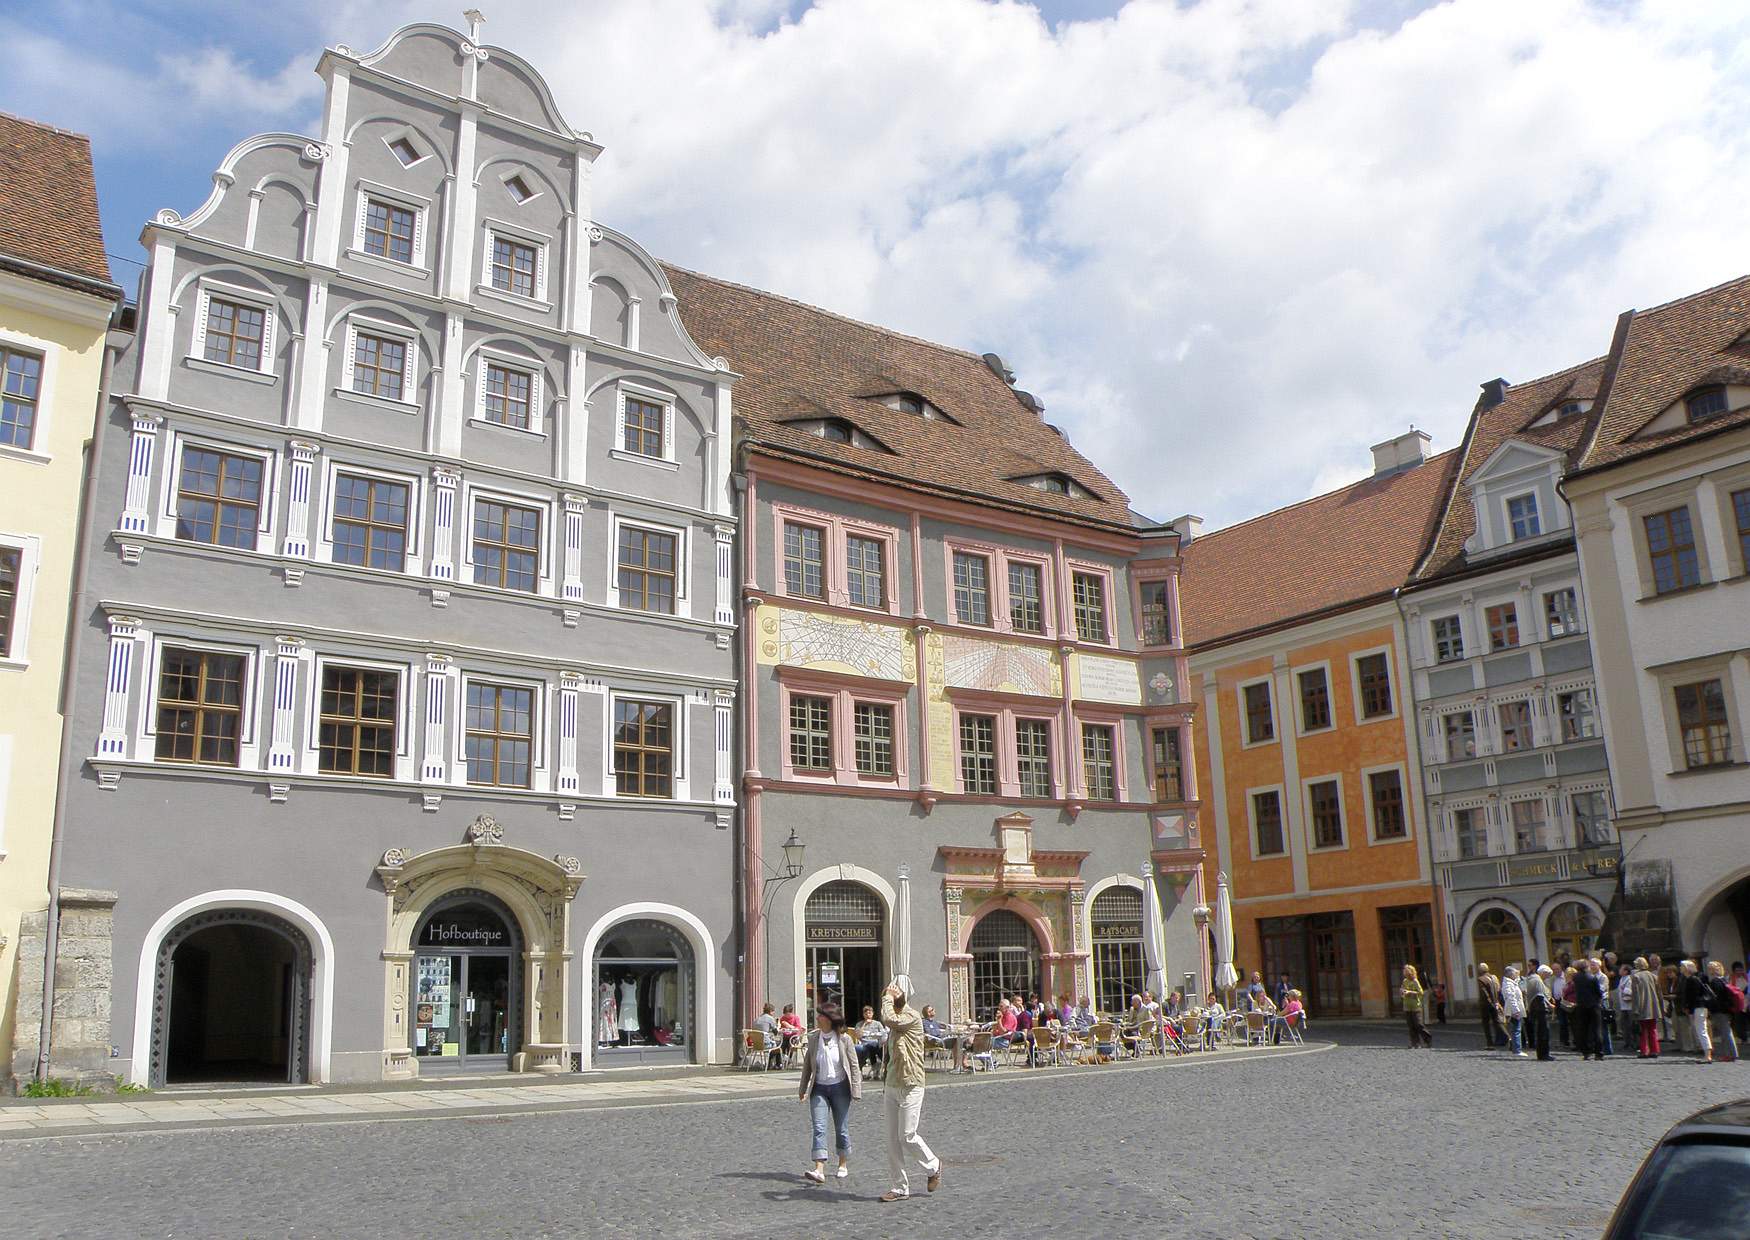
1494,392
1186,527
1394,456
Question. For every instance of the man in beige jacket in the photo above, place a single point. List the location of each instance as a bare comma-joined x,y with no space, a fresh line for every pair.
905,1093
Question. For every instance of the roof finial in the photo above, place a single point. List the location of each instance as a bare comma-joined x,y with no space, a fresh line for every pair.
475,19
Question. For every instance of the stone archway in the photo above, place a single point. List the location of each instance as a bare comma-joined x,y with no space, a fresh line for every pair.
538,892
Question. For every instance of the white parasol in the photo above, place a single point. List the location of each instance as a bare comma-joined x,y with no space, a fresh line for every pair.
1153,956
1225,975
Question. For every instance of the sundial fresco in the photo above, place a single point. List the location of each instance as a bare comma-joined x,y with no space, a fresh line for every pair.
972,664
877,650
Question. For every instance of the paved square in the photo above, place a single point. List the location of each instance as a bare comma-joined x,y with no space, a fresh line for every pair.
1364,1140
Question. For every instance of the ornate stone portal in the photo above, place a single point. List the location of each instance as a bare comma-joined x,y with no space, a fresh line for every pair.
1043,887
538,890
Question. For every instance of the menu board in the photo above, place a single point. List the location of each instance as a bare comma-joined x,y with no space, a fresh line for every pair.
432,998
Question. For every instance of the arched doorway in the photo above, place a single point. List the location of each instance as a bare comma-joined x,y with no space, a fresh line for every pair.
1497,939
1722,924
1120,964
1005,959
231,1000
642,994
467,985
1572,928
842,927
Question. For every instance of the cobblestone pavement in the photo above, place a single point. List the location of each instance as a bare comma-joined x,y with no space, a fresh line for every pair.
1365,1140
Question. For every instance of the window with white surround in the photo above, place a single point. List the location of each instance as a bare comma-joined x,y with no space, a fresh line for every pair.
649,566
505,543
234,327
1515,718
199,706
220,495
1258,711
1265,808
373,518
499,733
646,749
644,421
18,566
1530,825
514,263
1470,833
1591,810
1387,814
1502,621
358,713
508,392
21,376
1461,735
1561,612
405,149
1448,639
1579,718
1324,804
379,361
389,225
1522,516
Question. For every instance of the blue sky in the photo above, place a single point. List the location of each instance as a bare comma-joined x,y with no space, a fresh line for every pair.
1231,243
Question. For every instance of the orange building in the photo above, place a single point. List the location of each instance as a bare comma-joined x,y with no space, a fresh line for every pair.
1308,756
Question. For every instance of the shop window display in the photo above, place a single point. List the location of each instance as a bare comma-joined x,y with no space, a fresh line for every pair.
644,993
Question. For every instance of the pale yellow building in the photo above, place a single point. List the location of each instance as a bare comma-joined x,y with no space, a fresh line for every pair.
56,303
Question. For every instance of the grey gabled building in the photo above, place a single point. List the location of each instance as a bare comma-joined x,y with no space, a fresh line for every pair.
401,731
1513,763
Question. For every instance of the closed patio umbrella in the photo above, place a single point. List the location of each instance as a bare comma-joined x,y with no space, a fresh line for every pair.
1225,975
902,925
1153,955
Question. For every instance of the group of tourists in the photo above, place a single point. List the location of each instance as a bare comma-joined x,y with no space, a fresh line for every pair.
1599,1006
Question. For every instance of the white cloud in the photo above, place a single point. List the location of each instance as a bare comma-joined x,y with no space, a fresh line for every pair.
1230,243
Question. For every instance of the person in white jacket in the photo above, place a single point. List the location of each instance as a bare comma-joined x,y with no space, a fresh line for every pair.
1513,1004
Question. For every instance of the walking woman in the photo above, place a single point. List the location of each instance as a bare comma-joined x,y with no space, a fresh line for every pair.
831,1080
1415,1001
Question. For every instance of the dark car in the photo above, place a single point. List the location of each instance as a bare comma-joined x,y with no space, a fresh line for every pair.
1695,1185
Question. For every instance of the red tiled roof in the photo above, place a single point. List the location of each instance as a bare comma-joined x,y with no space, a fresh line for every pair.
48,199
1343,548
1489,428
1659,356
800,362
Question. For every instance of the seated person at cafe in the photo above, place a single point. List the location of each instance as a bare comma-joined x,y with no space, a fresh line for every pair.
871,1039
1024,1026
1083,1017
767,1024
939,1034
1213,1015
790,1027
1004,1024
1293,1015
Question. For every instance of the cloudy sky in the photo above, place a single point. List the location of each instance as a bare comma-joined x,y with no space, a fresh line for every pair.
1230,243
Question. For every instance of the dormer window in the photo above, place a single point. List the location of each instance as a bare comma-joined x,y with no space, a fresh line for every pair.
1704,403
914,404
838,430
404,151
1570,407
1522,517
1055,484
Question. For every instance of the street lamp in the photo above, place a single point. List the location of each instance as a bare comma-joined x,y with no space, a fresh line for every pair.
792,868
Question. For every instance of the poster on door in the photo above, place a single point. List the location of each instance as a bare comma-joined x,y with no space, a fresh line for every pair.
432,1006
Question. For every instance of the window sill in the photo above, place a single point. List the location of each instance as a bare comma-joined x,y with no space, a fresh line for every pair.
13,663
225,368
528,432
514,299
1679,591
1259,744
655,462
377,402
1711,769
388,264
1328,848
617,605
25,454
1325,730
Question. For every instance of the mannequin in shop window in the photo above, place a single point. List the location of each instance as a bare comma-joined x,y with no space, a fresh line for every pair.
628,1010
609,1024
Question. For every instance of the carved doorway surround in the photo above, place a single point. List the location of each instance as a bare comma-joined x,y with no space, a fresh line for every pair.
537,890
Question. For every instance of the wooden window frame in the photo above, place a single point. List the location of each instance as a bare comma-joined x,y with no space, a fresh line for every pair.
1085,728
836,533
1246,715
504,546
675,712
641,598
1312,817
357,721
1673,554
531,413
1371,803
14,599
1163,781
999,558
844,694
986,591
1562,625
962,754
199,706
388,234
1436,641
1107,604
1254,822
496,736
1302,725
210,336
1359,687
1501,621
37,402
369,521
1695,689
181,496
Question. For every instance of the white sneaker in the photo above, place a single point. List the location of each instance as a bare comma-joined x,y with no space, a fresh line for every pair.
843,1173
813,1176
1521,1055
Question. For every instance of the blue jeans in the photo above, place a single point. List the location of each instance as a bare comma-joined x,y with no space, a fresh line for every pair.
1604,1025
835,1098
1515,1027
